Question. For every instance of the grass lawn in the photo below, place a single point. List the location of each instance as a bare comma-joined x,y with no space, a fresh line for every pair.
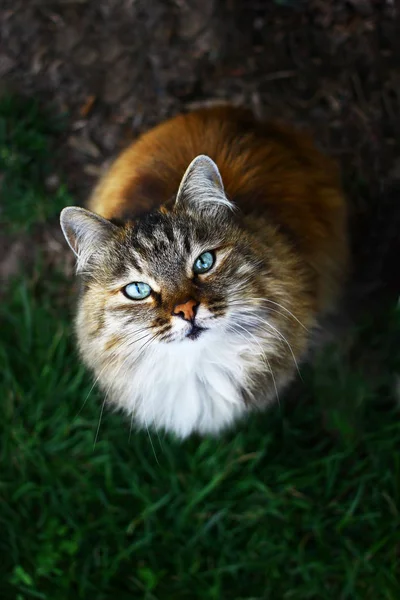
301,502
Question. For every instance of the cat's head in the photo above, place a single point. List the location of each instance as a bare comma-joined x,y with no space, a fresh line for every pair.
175,289
172,275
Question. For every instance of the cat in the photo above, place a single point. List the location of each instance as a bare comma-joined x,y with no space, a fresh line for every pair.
211,250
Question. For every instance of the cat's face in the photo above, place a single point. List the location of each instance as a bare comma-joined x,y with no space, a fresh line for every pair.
174,304
168,278
171,277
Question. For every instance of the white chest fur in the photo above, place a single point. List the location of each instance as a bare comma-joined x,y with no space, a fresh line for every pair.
190,385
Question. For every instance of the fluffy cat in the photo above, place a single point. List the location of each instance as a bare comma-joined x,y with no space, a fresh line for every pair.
213,247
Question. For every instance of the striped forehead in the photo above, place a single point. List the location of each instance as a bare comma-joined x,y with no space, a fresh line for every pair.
156,246
160,234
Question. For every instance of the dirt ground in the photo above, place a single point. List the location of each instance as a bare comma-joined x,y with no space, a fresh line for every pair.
119,66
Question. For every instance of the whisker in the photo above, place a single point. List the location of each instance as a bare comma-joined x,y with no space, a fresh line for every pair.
273,379
158,333
143,329
265,358
136,340
92,387
98,426
143,346
276,304
105,400
101,372
244,305
141,351
282,337
285,309
151,443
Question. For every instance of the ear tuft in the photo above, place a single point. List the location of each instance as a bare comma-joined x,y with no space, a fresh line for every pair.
85,232
202,187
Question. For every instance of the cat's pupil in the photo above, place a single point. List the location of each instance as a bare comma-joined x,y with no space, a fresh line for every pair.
204,262
137,290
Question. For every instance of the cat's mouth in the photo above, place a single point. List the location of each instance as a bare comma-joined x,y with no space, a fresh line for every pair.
195,331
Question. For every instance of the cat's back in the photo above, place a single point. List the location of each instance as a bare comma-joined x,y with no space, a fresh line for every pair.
259,163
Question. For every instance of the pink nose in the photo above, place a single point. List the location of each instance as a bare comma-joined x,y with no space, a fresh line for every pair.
186,310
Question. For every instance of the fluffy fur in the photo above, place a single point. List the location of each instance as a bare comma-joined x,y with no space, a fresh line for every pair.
270,207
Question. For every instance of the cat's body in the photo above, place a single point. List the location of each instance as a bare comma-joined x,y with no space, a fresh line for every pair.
226,339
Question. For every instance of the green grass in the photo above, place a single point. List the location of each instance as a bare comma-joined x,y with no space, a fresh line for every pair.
301,502
27,138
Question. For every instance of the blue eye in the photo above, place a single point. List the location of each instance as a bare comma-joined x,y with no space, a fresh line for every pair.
137,290
204,262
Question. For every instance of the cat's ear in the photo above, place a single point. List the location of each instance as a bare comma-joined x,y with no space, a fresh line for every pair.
85,232
201,186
